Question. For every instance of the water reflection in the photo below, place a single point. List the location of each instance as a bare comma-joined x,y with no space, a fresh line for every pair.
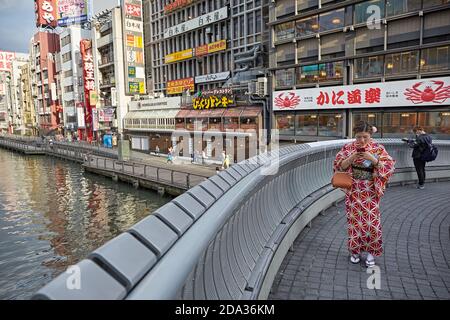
52,215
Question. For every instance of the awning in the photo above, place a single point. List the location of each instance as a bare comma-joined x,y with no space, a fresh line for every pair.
233,112
155,114
183,113
251,112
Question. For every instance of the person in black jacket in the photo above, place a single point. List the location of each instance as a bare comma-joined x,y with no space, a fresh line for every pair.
420,143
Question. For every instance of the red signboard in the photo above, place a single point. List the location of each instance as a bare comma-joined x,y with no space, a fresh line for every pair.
133,10
6,59
89,83
46,13
177,4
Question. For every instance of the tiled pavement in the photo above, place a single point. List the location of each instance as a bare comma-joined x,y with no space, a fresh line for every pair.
415,263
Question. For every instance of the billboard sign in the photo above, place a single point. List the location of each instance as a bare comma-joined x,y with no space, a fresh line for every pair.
46,13
418,92
195,23
89,83
180,85
6,59
72,12
134,47
212,77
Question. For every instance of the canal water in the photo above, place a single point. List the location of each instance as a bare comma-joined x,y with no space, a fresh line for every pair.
53,215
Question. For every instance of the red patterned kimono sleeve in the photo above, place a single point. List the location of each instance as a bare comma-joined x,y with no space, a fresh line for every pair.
343,154
384,171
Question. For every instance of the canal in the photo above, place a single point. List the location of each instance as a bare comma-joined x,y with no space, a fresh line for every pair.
53,215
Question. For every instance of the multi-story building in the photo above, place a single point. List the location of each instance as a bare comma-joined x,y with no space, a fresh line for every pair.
382,61
28,113
109,61
45,47
194,49
10,89
71,74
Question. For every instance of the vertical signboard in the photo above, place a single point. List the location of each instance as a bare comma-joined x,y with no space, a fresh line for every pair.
6,59
46,13
72,12
133,47
89,84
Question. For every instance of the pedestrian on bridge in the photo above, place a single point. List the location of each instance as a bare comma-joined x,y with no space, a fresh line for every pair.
370,167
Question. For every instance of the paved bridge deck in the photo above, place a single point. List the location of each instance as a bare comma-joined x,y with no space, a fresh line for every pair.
415,263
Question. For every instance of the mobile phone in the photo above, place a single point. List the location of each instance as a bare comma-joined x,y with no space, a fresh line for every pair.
360,149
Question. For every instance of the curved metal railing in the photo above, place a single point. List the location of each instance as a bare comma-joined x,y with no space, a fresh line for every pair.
226,237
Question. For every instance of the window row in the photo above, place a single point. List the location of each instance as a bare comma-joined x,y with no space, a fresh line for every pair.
390,124
331,71
427,60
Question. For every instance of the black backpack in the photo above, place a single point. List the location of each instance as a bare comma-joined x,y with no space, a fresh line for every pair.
430,153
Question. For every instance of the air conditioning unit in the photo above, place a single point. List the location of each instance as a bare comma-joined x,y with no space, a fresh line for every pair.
261,87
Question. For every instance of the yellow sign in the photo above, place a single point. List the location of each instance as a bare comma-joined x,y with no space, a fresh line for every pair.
180,85
141,88
93,97
217,46
134,41
212,102
199,51
178,56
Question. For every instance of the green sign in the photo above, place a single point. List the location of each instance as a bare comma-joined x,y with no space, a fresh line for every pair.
134,87
131,72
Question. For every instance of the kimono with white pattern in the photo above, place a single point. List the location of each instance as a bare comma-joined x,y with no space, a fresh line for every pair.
362,201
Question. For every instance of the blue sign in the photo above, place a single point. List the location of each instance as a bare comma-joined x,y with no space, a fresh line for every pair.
107,140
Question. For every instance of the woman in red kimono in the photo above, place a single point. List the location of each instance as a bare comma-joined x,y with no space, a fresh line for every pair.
371,168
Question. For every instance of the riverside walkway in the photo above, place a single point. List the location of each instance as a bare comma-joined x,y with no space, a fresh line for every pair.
415,263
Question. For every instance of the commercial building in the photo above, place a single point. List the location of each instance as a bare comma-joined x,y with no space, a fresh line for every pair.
29,125
71,74
45,47
10,90
337,62
109,65
192,51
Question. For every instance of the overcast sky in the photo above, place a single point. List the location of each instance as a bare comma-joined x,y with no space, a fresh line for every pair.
17,24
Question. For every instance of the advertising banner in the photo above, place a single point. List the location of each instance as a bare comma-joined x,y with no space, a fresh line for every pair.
46,13
196,52
180,85
6,59
212,77
134,47
89,84
418,92
195,23
72,12
176,4
178,56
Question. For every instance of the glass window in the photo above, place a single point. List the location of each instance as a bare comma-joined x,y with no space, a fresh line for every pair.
231,123
432,3
436,123
373,118
331,71
307,26
396,7
332,20
361,12
306,5
331,124
306,124
285,124
368,67
398,124
284,31
285,78
308,74
435,59
401,63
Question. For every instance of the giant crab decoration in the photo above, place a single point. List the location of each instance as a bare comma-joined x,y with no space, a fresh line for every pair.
436,92
290,101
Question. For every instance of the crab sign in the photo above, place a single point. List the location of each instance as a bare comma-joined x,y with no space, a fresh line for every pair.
290,101
434,92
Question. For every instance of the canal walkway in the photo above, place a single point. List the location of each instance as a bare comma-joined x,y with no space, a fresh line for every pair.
148,171
415,263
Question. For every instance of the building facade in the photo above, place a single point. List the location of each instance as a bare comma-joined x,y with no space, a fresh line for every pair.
336,62
45,47
109,66
29,124
71,75
192,51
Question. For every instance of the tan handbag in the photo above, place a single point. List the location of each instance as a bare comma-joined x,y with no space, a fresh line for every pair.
342,180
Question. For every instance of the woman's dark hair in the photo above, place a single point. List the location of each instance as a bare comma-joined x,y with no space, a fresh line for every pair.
417,128
363,126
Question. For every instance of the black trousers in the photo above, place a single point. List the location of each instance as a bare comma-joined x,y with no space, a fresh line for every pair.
420,169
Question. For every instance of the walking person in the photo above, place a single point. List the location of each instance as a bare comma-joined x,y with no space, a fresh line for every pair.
371,168
420,143
157,150
170,155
